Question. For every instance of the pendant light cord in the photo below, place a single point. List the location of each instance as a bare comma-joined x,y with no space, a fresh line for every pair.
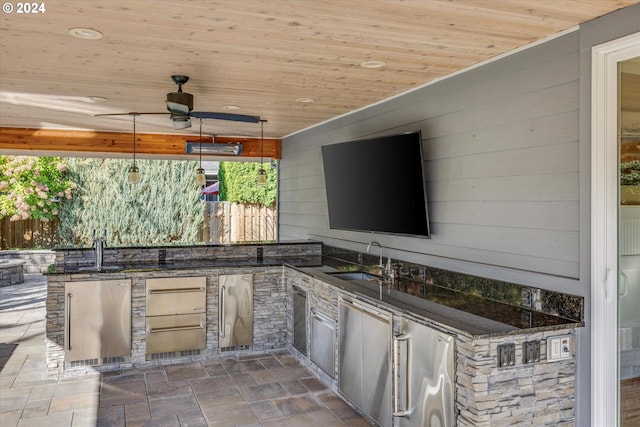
134,140
200,143
262,143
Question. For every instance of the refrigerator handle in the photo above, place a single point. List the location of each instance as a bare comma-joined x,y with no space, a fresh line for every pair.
221,325
69,296
399,411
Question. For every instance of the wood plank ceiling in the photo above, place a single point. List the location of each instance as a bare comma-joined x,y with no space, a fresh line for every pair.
295,63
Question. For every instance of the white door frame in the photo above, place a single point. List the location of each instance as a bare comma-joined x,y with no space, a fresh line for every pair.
604,226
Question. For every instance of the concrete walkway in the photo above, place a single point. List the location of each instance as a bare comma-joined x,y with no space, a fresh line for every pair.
32,293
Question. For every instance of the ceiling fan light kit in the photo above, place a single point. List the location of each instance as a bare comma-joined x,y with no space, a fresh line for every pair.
180,105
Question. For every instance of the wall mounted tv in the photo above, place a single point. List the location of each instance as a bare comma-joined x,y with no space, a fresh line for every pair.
377,185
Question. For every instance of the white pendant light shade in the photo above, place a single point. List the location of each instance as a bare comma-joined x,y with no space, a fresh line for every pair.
201,178
134,174
262,177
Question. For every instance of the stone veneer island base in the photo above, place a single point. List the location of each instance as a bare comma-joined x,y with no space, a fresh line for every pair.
538,393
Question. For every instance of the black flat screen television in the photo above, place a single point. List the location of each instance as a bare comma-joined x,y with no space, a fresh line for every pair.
377,185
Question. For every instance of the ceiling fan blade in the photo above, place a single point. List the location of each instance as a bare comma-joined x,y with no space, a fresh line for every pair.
131,113
175,107
224,116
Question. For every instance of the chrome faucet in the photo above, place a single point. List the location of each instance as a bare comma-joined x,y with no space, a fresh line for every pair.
374,243
99,244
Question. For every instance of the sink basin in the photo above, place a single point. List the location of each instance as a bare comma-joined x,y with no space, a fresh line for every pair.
355,275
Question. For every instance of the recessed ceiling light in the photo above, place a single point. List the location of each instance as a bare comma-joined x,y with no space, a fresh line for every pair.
304,100
230,107
85,33
372,64
97,98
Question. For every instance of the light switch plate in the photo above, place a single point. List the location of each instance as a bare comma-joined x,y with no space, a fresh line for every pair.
559,347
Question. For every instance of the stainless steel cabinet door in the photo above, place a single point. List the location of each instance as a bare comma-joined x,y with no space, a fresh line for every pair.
235,310
97,319
425,382
364,356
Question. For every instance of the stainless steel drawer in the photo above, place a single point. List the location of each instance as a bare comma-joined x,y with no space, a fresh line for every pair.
323,342
176,295
176,333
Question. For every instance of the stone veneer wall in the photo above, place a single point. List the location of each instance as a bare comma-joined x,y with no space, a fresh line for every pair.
175,254
36,261
537,394
11,272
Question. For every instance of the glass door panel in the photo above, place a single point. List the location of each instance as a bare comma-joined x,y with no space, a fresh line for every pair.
629,243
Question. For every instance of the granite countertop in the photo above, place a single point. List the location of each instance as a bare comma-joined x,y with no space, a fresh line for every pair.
470,315
301,261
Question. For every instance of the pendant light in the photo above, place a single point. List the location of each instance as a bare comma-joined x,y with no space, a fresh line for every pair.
134,173
201,178
262,174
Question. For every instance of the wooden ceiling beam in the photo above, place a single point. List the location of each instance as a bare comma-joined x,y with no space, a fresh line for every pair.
103,144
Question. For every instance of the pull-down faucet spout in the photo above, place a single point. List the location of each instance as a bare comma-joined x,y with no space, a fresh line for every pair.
374,243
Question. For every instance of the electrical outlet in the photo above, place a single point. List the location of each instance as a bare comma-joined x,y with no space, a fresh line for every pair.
506,355
531,352
559,348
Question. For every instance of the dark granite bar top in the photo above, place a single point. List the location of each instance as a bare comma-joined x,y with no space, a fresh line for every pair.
473,316
303,261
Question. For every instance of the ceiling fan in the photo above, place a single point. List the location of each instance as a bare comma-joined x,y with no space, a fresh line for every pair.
180,106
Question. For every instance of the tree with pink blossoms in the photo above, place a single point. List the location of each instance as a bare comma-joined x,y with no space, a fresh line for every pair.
33,187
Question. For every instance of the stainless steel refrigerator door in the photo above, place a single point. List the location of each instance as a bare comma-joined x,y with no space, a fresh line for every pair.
236,310
97,319
424,381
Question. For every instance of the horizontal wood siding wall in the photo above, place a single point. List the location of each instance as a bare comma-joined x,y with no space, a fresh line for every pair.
501,160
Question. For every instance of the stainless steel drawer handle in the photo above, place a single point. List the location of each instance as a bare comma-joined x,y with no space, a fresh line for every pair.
221,313
69,296
370,310
174,328
173,290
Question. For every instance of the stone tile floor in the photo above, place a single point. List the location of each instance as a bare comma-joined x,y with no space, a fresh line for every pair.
260,390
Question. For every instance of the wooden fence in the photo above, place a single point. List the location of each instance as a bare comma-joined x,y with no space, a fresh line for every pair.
28,234
226,222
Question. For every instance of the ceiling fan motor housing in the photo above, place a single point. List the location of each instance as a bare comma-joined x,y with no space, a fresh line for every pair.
183,98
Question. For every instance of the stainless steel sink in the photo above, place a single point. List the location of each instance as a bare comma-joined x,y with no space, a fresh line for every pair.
355,275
